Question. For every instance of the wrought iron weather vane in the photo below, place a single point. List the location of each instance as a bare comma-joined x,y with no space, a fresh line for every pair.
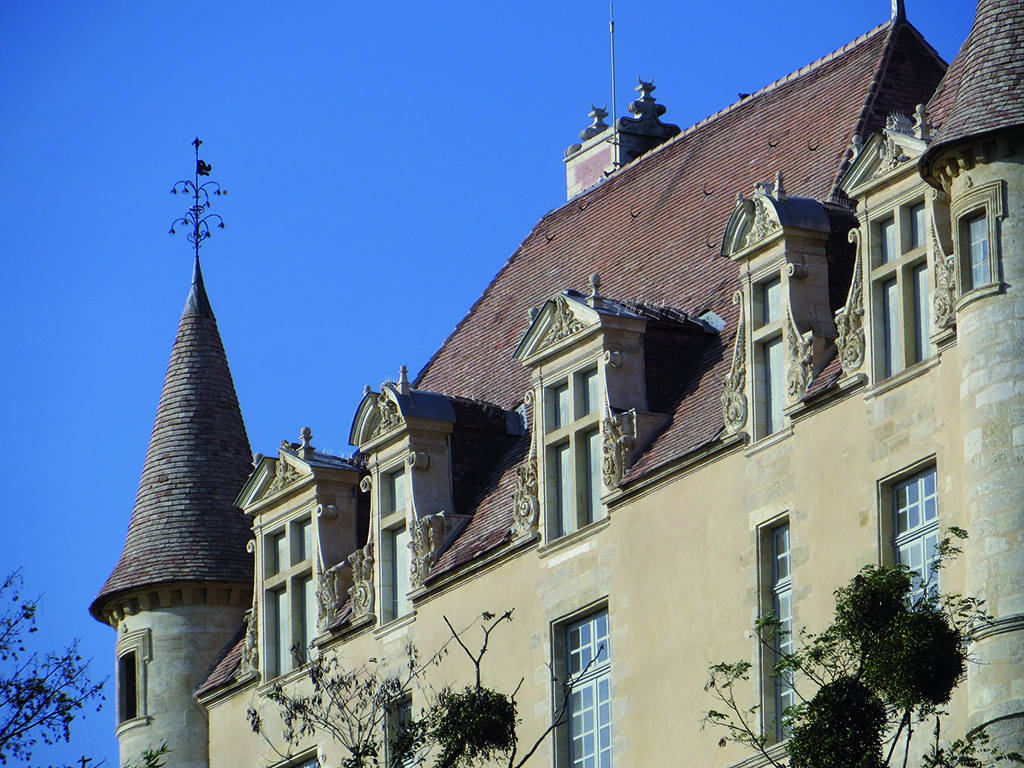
198,220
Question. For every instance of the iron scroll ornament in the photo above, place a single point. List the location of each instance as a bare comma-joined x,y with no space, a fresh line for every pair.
198,220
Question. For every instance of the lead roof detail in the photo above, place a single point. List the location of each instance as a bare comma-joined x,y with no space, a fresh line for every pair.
185,527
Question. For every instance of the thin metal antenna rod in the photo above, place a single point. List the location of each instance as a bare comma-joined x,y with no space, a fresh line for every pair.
615,114
611,30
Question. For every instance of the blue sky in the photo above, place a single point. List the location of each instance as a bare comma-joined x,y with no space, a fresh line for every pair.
382,162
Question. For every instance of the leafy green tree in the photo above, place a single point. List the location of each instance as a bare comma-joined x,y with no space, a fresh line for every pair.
885,666
40,693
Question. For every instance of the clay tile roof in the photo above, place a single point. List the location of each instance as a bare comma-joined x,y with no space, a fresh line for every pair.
184,526
226,665
984,88
652,232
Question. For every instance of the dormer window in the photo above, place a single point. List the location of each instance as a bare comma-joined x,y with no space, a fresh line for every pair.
590,381
573,448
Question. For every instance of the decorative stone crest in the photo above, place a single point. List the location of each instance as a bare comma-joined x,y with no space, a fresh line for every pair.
251,649
618,433
763,224
734,398
598,114
850,319
389,415
801,354
361,591
525,501
284,475
944,298
563,323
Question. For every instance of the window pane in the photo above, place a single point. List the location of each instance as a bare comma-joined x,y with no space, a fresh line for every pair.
304,541
887,240
309,614
591,399
590,703
400,572
127,687
918,232
561,406
771,297
891,328
563,489
279,622
279,547
592,441
922,317
397,482
773,385
917,530
782,607
977,233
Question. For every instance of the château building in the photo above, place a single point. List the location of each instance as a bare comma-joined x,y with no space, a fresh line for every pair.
741,362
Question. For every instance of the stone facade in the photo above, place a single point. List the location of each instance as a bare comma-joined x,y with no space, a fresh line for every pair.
712,343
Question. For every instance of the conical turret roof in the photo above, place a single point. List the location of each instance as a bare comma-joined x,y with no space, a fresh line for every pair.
185,527
983,90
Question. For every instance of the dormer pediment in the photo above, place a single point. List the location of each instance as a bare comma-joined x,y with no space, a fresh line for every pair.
902,142
383,416
569,318
297,466
761,221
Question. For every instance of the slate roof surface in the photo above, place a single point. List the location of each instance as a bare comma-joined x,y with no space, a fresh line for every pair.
184,526
984,88
652,232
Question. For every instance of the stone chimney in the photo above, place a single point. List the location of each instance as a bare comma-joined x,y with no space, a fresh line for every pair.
607,148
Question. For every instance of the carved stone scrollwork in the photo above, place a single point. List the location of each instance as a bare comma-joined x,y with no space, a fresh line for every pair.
427,537
618,433
944,299
389,415
361,591
763,224
563,323
801,353
525,500
251,649
284,476
734,398
525,504
326,595
850,319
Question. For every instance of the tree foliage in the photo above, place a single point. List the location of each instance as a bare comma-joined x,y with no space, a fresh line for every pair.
886,665
356,706
40,693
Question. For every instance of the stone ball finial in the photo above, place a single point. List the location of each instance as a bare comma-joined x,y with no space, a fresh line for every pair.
305,433
367,389
595,284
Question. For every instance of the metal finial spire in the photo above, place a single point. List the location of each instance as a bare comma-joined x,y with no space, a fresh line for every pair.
197,220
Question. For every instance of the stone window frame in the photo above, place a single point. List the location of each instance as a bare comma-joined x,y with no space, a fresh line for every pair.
307,759
920,533
297,580
587,418
886,507
766,331
138,643
987,200
768,590
911,262
559,633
